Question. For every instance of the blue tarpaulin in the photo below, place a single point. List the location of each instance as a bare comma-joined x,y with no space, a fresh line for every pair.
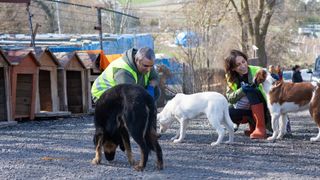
117,45
64,48
175,68
187,39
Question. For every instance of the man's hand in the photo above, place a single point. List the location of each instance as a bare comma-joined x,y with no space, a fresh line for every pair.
150,90
153,83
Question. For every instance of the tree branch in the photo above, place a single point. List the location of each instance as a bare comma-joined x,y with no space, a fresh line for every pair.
267,19
258,17
248,17
237,11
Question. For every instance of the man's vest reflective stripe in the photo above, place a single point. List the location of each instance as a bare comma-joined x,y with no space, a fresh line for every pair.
253,71
106,79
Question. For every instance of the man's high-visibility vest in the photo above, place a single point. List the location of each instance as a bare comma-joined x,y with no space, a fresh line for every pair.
106,79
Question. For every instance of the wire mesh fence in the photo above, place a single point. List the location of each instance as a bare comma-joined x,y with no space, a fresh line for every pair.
53,16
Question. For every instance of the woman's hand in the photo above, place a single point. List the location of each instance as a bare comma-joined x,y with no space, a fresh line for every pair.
248,87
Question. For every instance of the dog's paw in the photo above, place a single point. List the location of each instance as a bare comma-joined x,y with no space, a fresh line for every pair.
131,162
229,142
235,127
138,167
214,144
272,139
280,136
314,139
173,138
95,161
159,166
177,141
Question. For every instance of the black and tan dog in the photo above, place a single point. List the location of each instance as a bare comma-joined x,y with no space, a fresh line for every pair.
122,111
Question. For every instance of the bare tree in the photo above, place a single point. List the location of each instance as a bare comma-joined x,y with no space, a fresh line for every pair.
254,20
124,19
203,17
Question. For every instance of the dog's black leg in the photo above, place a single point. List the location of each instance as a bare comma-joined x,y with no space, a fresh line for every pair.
152,142
98,138
144,151
127,145
158,151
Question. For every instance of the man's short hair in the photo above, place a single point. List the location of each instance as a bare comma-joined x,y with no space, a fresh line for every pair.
145,52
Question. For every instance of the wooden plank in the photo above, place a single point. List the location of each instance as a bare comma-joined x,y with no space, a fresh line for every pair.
3,113
75,108
42,114
2,93
74,91
93,77
23,95
3,104
61,90
24,78
23,87
7,123
24,100
2,99
22,110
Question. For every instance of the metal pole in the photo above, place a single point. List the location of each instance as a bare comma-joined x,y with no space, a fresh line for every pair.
58,16
31,28
99,27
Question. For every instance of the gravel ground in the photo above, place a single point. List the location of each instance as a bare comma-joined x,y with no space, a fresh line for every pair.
63,149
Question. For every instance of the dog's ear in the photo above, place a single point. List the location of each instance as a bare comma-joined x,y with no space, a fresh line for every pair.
277,84
261,76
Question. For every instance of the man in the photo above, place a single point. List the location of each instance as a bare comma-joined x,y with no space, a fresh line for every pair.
134,67
296,76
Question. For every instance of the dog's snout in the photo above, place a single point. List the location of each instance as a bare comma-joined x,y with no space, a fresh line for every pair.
161,130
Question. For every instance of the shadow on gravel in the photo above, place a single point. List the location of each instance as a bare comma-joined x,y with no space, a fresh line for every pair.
61,149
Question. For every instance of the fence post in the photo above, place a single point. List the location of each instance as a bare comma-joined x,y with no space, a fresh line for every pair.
99,26
31,28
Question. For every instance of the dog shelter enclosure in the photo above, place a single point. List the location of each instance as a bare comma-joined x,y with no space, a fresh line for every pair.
47,95
24,76
90,61
71,83
5,94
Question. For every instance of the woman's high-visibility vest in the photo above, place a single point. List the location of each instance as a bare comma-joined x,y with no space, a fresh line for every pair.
253,71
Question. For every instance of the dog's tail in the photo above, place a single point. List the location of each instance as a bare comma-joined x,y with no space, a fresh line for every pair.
152,110
227,118
152,122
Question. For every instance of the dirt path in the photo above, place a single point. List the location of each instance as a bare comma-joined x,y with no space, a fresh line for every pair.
63,149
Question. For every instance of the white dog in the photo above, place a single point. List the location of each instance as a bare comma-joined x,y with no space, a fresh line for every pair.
185,107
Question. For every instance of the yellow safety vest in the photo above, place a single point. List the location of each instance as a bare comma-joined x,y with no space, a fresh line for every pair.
253,71
106,79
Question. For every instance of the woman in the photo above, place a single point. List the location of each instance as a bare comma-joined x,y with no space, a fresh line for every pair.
247,99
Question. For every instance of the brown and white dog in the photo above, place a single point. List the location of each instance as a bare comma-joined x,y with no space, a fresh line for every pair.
284,97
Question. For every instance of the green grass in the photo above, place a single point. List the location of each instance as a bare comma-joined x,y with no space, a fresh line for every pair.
137,1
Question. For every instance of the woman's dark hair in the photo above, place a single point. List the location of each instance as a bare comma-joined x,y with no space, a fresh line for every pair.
230,64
